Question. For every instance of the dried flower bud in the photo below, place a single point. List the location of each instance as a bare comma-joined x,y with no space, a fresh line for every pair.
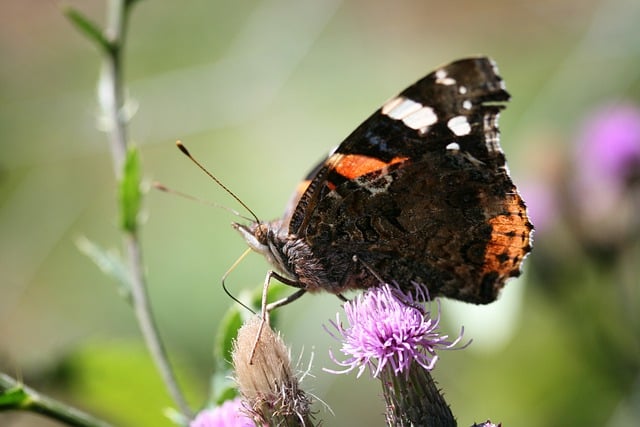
270,389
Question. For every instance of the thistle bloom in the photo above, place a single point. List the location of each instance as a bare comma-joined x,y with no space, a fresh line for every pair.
609,144
608,172
487,424
388,329
229,414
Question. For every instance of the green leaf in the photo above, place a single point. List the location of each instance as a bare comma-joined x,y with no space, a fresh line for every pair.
176,417
276,292
227,332
13,398
223,387
88,28
109,263
129,192
118,378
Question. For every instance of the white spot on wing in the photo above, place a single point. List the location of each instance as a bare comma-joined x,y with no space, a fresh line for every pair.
443,79
462,90
494,66
421,119
459,125
391,104
466,104
398,110
454,146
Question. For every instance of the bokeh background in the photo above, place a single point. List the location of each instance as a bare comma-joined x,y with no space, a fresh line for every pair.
261,90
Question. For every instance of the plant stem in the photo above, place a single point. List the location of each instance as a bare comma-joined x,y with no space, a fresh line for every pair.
112,101
41,404
414,399
148,326
111,90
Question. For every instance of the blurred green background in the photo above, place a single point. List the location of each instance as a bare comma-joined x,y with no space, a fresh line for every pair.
259,91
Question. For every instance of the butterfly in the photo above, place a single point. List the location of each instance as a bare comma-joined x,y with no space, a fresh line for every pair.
419,193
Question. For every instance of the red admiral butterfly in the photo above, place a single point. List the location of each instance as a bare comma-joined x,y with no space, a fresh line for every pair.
419,192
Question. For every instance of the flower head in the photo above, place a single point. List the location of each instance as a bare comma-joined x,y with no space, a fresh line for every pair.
607,162
389,328
487,424
609,143
229,414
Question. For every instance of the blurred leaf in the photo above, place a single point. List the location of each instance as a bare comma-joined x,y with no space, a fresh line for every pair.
276,292
109,263
88,28
13,398
225,336
121,375
223,386
129,192
176,417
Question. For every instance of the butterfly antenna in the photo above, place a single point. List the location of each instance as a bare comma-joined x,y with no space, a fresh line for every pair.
162,187
217,181
224,277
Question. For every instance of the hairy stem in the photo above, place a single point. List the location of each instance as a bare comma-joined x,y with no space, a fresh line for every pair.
414,399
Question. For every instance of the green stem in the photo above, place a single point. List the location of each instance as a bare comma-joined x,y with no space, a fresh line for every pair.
112,101
111,90
148,326
41,404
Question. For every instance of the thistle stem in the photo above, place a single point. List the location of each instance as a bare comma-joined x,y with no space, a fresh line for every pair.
414,399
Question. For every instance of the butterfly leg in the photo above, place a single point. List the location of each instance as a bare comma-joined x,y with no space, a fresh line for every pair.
357,260
266,308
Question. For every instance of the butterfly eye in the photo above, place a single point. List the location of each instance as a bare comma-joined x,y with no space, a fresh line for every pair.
261,231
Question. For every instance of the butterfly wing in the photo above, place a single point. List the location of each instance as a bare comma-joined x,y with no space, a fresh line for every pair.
421,192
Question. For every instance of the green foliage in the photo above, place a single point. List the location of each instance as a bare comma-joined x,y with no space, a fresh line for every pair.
89,28
121,375
227,331
109,263
223,388
130,194
13,398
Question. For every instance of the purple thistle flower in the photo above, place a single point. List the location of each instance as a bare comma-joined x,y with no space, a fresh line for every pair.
487,424
607,162
389,328
230,414
609,143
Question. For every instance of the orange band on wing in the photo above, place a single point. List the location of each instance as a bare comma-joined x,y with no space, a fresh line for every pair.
352,166
510,239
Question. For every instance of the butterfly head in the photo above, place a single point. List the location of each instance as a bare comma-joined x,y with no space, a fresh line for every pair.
255,235
265,239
